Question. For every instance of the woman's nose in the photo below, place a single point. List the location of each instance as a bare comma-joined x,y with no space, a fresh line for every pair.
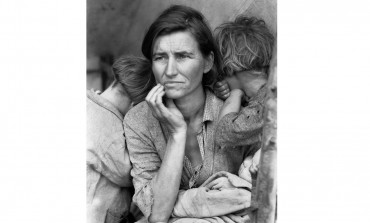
171,69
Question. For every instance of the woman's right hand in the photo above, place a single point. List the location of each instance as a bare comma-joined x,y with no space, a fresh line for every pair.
169,115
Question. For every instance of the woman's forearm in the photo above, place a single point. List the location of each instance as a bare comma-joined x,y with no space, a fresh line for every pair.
166,183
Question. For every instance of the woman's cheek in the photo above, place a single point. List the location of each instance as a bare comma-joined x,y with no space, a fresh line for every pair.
156,68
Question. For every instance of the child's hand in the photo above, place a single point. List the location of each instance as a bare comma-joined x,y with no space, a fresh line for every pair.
253,169
96,91
222,89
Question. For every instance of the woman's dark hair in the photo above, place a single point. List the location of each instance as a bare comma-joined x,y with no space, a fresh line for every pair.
135,76
182,18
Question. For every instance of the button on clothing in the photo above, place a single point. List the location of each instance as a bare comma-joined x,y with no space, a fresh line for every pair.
146,141
109,184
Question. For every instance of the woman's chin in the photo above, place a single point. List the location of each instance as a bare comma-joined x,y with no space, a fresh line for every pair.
173,94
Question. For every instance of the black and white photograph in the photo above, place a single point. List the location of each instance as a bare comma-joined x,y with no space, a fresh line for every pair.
181,111
185,111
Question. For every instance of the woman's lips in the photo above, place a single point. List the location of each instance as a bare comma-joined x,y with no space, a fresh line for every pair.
172,83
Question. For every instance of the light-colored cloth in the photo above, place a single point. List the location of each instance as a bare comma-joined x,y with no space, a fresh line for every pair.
109,184
207,202
146,141
231,218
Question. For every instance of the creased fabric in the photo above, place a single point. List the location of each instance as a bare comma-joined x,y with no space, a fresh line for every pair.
204,202
108,181
147,139
244,127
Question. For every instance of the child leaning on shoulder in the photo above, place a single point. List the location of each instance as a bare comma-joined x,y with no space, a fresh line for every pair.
246,46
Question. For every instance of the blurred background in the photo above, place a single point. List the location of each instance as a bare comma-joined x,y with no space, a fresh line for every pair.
115,28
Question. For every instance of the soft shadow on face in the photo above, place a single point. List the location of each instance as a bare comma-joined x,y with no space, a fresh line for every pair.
178,64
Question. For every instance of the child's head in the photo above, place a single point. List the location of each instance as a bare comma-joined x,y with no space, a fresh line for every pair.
245,45
134,75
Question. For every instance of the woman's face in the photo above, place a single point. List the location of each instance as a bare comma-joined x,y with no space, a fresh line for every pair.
178,64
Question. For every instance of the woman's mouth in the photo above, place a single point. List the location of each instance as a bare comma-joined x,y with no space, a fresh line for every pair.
171,83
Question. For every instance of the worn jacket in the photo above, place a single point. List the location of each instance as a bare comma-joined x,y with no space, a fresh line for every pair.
244,127
109,184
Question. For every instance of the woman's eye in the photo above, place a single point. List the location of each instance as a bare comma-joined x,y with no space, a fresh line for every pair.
181,56
158,58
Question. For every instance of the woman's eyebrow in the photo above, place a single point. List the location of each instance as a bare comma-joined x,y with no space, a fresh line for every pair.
184,52
159,54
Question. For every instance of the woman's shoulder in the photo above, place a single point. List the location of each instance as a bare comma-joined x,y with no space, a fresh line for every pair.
140,113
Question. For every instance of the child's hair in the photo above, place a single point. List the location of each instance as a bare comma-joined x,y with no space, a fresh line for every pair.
134,74
245,44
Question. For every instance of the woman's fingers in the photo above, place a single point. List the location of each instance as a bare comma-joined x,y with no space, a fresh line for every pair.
217,186
159,95
152,99
221,182
157,104
211,184
167,114
160,106
152,95
151,92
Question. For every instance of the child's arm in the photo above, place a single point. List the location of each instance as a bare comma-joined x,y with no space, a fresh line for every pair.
240,128
232,103
244,127
253,169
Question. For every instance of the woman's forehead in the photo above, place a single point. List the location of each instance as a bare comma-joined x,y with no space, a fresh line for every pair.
176,42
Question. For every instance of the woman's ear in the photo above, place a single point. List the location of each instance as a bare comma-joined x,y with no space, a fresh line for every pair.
209,63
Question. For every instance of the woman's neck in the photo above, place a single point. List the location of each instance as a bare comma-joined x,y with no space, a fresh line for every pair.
192,106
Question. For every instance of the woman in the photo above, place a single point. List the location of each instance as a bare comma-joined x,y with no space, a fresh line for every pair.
170,136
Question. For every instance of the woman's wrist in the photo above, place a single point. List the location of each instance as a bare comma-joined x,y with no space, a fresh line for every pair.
179,133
